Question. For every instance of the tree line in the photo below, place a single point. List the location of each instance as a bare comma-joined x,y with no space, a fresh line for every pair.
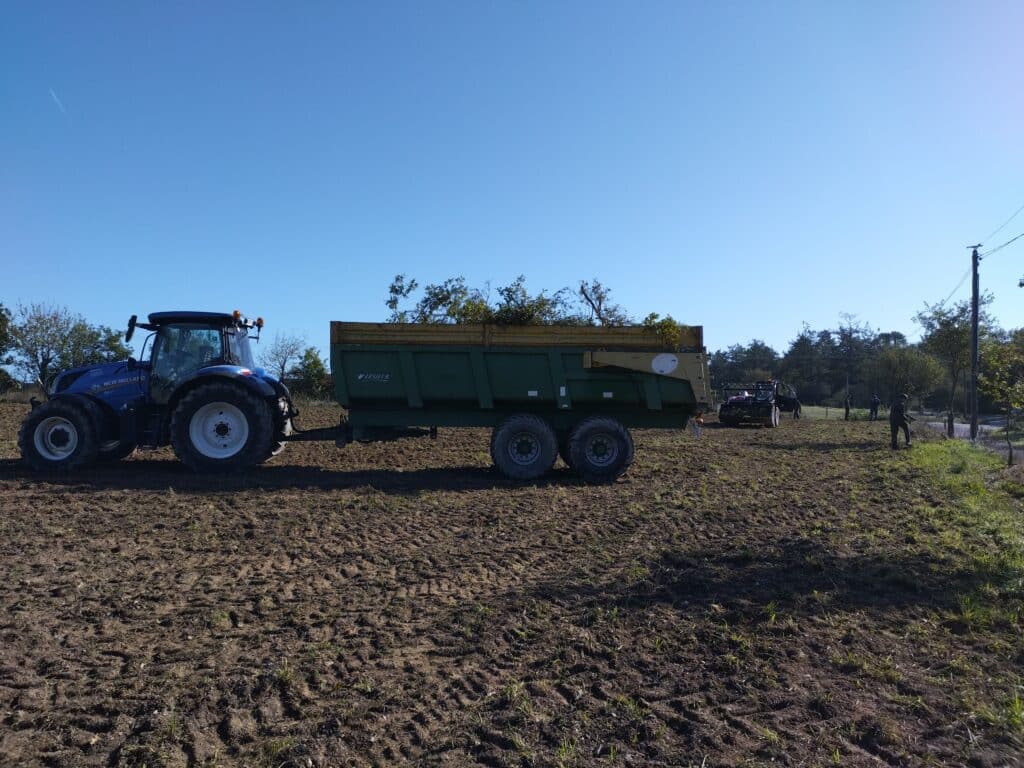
853,359
825,366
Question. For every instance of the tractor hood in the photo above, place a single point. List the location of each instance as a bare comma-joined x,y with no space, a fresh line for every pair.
96,378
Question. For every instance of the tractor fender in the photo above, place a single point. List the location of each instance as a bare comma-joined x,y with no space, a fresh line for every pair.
220,373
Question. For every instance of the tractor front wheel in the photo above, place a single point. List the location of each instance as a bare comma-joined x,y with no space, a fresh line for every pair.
221,428
58,436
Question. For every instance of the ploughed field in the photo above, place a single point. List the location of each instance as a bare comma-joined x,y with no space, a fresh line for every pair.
797,596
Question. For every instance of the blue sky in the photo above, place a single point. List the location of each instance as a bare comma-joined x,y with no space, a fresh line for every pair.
745,166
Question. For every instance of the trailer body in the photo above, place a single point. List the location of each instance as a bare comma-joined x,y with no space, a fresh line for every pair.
398,376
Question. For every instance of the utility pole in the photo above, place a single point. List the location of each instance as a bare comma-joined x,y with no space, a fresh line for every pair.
974,340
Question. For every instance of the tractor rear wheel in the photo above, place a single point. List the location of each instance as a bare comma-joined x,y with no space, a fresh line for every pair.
221,428
601,449
58,436
523,447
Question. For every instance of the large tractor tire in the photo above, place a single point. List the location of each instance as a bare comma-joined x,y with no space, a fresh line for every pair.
601,449
221,428
523,447
58,436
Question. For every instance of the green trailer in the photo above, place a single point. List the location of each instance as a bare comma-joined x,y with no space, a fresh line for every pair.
544,390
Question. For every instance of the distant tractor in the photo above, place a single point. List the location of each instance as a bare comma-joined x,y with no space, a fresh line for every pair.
758,404
199,391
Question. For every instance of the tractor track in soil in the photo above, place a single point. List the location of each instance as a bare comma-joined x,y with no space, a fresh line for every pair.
752,595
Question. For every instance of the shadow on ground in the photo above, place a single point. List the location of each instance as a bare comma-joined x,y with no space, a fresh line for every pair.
155,475
798,578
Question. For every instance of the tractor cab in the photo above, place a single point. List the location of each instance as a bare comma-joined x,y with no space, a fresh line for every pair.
186,343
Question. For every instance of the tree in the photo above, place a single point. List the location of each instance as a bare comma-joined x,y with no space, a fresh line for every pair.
854,344
452,301
5,331
47,339
7,382
741,364
947,335
909,370
596,299
310,375
1002,379
279,355
516,306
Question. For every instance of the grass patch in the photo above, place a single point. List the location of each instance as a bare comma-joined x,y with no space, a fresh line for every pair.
984,518
829,412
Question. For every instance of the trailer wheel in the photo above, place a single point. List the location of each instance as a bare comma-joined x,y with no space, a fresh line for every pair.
58,436
601,449
523,447
221,428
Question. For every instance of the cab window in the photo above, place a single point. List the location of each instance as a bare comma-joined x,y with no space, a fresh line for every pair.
180,350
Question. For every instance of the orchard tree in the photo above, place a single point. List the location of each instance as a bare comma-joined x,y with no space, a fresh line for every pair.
279,355
47,339
310,375
7,382
599,309
5,332
452,301
910,370
1002,379
946,333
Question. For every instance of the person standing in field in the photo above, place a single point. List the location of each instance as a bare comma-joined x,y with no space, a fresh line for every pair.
900,419
846,407
876,403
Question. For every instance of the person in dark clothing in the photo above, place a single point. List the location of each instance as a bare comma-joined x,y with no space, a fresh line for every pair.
876,403
796,409
846,408
900,419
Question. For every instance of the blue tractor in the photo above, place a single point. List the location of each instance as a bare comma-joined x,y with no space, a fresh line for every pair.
199,392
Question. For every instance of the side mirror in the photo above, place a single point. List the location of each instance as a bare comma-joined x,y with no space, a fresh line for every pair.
131,328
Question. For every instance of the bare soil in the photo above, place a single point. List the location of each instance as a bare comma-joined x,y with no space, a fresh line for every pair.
792,596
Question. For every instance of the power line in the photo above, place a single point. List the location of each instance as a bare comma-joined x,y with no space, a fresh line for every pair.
957,288
1000,247
1001,226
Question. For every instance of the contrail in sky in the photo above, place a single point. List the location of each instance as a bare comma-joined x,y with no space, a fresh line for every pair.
57,101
